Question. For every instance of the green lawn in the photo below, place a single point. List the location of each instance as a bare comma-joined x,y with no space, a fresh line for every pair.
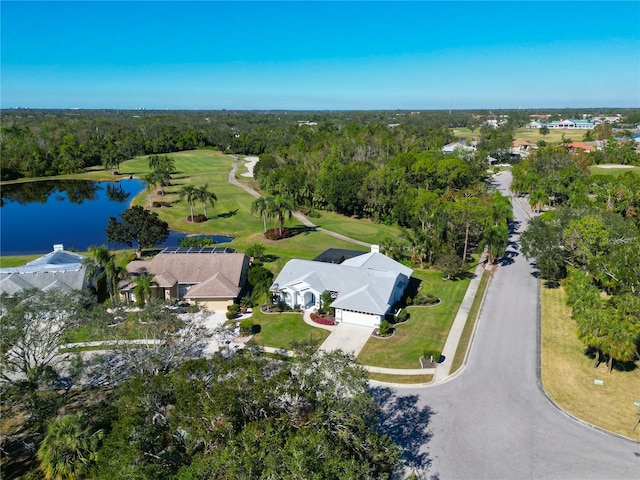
613,169
427,328
568,374
363,230
280,330
469,326
532,135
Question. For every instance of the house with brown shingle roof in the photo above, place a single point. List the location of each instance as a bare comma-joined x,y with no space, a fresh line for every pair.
209,277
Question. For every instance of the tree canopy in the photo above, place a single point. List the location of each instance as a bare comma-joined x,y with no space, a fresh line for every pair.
137,226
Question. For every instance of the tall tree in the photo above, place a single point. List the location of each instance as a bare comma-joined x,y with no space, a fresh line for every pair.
280,207
102,266
261,206
189,193
206,196
138,226
151,180
33,324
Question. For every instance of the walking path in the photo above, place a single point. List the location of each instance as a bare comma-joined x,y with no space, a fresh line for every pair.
299,216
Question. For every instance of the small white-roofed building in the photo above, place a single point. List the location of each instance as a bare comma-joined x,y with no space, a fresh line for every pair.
364,287
60,269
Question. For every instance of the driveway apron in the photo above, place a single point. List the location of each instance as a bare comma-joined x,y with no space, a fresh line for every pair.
348,338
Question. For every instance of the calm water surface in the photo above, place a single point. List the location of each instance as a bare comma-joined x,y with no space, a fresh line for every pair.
34,216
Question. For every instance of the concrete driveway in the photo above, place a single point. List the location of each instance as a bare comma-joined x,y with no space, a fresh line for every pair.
348,338
493,421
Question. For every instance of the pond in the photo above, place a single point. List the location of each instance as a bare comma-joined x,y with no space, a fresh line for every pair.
36,215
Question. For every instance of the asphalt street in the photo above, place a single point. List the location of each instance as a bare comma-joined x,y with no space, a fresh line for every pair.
493,421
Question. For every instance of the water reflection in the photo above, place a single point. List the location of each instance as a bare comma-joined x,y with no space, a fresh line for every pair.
36,215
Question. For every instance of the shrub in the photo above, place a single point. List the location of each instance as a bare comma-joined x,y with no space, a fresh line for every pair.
428,354
231,315
322,320
426,300
403,316
384,328
246,327
409,301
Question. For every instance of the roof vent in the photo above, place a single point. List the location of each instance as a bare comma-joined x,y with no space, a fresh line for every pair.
58,247
375,248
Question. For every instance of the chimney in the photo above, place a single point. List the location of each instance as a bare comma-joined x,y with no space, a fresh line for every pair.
375,248
58,247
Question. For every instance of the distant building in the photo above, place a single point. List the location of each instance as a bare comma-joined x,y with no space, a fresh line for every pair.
458,147
572,124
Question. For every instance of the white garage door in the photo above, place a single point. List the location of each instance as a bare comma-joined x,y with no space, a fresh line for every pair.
357,318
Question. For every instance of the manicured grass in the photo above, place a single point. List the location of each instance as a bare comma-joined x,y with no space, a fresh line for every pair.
281,330
427,328
613,170
568,374
465,338
363,230
232,212
17,260
532,135
407,379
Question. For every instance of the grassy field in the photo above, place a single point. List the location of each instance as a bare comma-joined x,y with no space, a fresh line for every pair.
280,330
427,327
613,170
361,229
568,374
532,135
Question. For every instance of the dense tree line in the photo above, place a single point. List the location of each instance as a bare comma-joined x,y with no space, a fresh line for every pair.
590,241
52,142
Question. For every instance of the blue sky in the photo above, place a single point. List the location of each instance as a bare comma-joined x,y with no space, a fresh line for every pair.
320,55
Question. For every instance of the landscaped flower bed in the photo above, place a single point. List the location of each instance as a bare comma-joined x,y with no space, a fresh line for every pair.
426,300
322,320
276,234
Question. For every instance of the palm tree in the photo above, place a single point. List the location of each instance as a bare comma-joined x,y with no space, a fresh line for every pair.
163,166
96,263
68,449
204,195
537,199
142,291
101,265
190,193
279,207
151,180
260,206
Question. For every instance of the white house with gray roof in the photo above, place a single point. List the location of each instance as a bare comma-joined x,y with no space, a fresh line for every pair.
364,287
60,269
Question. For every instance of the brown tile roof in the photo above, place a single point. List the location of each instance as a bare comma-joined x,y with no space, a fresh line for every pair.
212,274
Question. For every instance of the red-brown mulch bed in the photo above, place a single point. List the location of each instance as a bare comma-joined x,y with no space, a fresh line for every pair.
196,218
276,234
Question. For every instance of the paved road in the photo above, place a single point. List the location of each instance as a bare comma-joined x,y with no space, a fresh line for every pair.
493,421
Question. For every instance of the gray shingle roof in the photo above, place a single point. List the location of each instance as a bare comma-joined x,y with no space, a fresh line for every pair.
364,283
